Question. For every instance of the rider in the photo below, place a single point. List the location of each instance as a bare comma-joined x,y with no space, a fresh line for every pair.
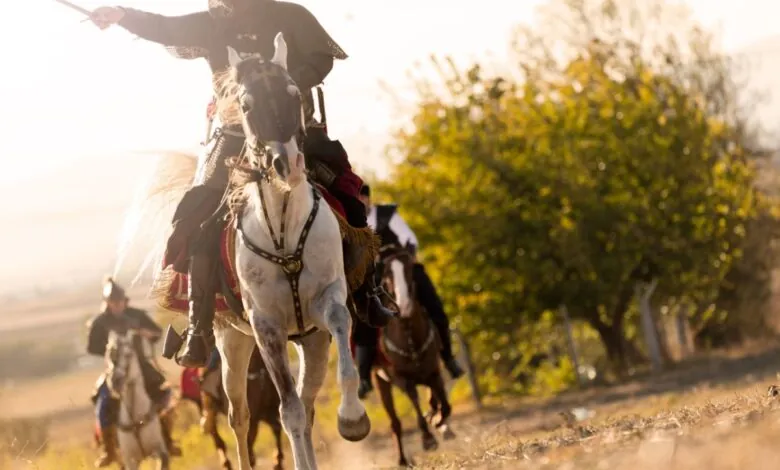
249,27
393,229
118,316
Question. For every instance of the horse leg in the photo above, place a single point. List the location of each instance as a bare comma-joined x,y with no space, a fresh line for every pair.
271,339
164,457
209,415
251,438
385,390
428,439
276,427
235,349
313,357
433,402
439,392
353,422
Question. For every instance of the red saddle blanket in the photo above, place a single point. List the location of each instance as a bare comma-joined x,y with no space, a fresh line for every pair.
177,299
190,384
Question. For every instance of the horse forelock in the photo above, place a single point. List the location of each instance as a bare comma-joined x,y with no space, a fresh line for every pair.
271,89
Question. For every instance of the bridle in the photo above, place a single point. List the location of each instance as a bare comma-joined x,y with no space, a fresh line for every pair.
291,264
122,347
388,254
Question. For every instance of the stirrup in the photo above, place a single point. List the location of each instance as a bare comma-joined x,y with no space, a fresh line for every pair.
173,342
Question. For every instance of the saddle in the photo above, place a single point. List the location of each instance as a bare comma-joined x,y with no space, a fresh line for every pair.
171,292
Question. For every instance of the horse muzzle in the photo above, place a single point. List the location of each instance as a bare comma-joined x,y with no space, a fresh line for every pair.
280,159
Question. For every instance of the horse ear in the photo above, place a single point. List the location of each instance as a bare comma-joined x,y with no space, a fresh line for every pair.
280,52
233,57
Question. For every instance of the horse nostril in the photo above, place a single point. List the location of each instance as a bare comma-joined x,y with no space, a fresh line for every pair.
281,167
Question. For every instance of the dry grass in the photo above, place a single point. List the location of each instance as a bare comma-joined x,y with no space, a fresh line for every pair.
737,430
711,412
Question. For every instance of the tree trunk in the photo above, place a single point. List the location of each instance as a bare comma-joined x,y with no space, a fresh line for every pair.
621,352
643,294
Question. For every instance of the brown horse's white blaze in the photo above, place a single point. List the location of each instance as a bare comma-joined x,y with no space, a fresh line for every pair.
402,288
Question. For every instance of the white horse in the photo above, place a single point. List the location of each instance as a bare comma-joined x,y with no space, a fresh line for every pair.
139,431
315,265
298,291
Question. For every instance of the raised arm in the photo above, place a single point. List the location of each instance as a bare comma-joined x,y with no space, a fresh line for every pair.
193,30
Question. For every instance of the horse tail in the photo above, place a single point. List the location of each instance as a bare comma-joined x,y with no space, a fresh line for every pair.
147,222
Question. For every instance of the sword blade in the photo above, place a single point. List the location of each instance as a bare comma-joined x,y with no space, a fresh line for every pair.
73,6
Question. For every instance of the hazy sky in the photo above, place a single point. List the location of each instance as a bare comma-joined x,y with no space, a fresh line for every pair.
69,89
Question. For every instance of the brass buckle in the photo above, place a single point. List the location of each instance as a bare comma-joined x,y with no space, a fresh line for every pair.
292,265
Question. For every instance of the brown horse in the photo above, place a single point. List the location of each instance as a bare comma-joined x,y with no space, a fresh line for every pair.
410,346
263,406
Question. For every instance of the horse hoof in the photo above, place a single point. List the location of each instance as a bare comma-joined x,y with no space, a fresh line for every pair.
430,443
446,433
354,431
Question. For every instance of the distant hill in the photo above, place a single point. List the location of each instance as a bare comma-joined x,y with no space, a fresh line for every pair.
65,233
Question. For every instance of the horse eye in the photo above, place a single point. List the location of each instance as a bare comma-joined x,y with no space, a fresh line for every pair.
246,104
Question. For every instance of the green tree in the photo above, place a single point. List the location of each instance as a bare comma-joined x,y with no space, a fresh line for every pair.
610,163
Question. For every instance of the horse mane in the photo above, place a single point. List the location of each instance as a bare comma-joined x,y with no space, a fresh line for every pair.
226,91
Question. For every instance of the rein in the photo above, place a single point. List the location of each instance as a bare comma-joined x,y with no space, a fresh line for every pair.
411,352
135,427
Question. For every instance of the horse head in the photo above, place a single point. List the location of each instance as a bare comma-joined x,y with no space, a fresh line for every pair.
270,110
396,268
124,368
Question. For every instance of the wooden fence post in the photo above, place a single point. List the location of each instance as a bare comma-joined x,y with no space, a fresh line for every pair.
575,359
465,353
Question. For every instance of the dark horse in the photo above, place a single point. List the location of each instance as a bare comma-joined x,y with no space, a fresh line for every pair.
263,407
410,346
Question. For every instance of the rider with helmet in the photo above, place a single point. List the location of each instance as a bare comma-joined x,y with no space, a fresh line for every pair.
117,316
392,229
249,27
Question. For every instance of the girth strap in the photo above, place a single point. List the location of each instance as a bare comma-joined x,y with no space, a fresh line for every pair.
292,265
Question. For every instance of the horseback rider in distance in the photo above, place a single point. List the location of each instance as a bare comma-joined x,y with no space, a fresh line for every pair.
116,315
392,229
249,27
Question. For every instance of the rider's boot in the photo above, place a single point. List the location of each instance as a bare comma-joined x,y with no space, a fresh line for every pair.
365,356
447,357
200,334
429,298
110,453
